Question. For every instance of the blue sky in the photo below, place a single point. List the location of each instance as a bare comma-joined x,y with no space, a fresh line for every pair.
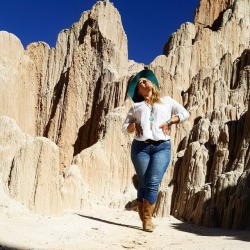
148,24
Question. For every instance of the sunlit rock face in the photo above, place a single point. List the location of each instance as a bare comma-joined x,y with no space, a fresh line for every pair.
210,13
18,85
81,80
29,169
68,94
69,102
210,65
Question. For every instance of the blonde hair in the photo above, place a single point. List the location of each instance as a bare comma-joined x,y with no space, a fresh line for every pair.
155,97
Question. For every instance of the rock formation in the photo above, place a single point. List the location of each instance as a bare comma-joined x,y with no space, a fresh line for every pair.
70,102
213,156
30,169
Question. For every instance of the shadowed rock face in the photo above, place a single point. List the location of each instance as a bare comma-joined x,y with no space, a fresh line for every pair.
211,13
75,95
89,63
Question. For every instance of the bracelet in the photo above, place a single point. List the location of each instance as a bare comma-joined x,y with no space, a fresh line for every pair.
169,122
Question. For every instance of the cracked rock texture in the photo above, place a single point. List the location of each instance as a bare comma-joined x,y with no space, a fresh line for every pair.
62,110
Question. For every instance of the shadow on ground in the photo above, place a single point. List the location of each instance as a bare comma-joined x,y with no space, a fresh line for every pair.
5,247
109,222
243,235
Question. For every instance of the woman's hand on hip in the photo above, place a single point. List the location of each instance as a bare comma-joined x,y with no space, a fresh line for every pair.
165,128
135,127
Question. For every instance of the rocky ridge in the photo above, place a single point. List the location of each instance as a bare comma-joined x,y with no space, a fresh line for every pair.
74,97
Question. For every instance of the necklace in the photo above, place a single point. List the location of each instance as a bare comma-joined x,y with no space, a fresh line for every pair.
151,117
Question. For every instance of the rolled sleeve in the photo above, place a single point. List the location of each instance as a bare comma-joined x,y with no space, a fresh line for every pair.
129,119
179,110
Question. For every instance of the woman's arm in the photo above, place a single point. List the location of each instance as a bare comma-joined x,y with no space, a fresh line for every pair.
179,113
130,125
129,121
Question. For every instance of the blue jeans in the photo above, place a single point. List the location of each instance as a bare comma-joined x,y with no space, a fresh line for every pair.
150,162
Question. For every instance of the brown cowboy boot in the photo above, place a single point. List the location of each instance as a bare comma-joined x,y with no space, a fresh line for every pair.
140,209
148,210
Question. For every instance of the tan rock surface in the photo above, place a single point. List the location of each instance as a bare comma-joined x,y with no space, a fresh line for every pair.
18,88
216,71
214,10
29,169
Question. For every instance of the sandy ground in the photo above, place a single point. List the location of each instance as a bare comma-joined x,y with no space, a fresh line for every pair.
104,228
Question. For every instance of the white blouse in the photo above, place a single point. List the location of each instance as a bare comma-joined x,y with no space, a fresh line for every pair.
150,118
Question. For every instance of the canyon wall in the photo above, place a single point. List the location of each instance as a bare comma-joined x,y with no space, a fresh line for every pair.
210,65
62,110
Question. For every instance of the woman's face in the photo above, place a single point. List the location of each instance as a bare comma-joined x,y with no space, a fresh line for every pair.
144,86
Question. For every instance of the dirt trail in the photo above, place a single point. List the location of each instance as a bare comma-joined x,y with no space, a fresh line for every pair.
105,228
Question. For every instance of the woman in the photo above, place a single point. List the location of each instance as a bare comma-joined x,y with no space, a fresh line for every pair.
150,118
